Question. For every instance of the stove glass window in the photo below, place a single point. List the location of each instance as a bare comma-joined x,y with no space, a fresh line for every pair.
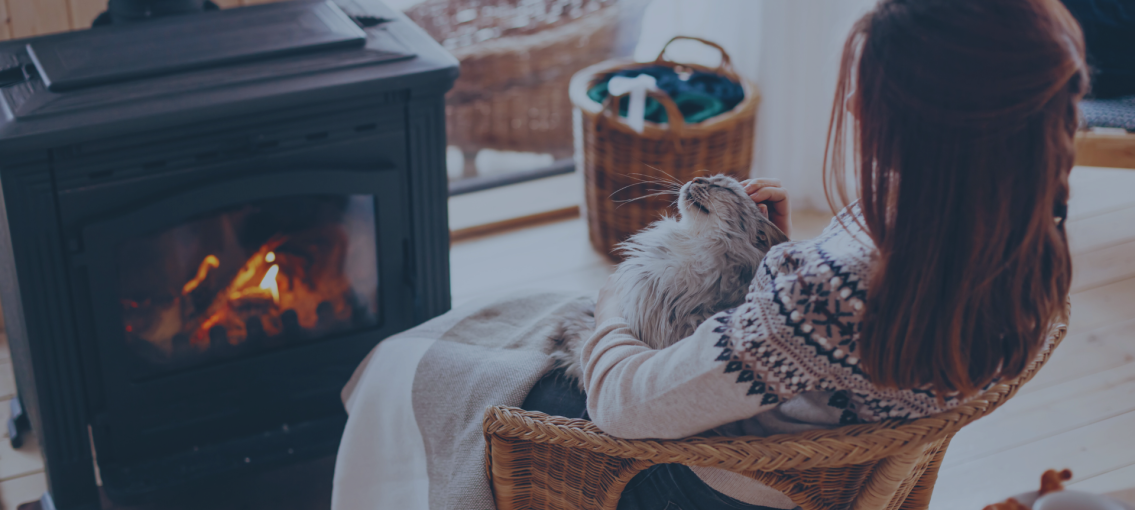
253,278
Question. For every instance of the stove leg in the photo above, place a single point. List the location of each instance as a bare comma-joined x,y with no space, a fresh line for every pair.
18,423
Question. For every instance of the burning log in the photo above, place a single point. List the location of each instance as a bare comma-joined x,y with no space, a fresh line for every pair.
291,284
221,311
198,290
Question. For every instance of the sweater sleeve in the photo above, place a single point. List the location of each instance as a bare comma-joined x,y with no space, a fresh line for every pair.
795,332
634,391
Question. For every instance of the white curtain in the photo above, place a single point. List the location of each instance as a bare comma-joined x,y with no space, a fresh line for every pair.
791,49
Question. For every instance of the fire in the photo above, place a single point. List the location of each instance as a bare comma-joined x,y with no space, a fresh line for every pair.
274,295
210,262
269,281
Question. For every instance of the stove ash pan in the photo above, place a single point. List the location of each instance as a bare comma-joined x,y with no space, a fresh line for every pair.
201,242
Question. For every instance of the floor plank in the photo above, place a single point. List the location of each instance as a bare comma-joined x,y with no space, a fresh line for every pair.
1088,451
1103,266
7,379
1086,353
1100,231
1099,190
1102,245
24,489
498,263
1102,306
1121,481
524,199
1039,415
16,463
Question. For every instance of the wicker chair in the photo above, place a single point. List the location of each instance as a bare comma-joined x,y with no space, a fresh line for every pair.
539,462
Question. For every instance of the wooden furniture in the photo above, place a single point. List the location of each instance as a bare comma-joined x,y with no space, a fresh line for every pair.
539,462
1116,150
1108,135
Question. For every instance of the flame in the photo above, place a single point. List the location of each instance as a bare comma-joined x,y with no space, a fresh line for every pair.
270,257
269,281
210,262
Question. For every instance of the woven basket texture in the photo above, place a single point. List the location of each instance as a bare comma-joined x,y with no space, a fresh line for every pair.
512,94
620,164
541,462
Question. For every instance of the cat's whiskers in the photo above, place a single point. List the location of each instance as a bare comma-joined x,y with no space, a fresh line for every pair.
656,169
644,182
654,178
654,193
657,194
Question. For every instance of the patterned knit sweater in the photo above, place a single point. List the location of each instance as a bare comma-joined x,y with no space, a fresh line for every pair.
782,362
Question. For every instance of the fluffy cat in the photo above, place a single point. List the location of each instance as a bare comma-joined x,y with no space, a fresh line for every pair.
679,272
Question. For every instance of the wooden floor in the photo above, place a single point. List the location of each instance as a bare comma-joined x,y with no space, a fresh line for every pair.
1078,413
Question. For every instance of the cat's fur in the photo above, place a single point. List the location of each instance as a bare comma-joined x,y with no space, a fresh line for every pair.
679,272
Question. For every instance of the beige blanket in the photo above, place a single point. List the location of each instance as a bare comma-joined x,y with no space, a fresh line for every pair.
416,404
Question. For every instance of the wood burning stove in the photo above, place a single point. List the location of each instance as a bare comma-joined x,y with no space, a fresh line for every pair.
208,221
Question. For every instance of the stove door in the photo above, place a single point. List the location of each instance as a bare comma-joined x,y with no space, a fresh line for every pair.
241,306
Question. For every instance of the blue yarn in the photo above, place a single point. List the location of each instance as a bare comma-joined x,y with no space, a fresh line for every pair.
700,97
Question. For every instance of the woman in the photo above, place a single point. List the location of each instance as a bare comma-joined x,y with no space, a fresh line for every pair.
947,274
945,277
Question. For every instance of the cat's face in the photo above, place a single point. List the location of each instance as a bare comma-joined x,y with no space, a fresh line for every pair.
719,205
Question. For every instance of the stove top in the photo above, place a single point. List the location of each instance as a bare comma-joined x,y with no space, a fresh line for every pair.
178,44
190,67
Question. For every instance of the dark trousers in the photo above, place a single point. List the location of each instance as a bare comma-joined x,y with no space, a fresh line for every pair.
659,487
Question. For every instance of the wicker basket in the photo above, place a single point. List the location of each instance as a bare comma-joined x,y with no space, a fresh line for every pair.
615,158
513,91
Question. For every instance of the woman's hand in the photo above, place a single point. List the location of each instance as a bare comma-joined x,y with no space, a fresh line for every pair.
606,307
772,198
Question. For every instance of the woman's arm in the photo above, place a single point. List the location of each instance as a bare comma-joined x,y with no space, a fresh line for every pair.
634,391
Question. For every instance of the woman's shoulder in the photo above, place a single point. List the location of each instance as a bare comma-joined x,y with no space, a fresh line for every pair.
799,327
842,250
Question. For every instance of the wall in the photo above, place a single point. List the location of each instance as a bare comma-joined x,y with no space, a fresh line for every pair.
25,18
791,49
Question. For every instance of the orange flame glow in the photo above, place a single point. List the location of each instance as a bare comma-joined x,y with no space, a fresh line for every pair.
269,281
210,262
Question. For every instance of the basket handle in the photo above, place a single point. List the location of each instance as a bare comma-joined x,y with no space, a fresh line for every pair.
673,114
726,62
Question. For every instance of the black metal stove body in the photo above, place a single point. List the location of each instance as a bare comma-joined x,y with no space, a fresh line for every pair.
204,234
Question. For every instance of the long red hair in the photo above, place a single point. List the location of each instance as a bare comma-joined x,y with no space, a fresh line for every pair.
958,118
